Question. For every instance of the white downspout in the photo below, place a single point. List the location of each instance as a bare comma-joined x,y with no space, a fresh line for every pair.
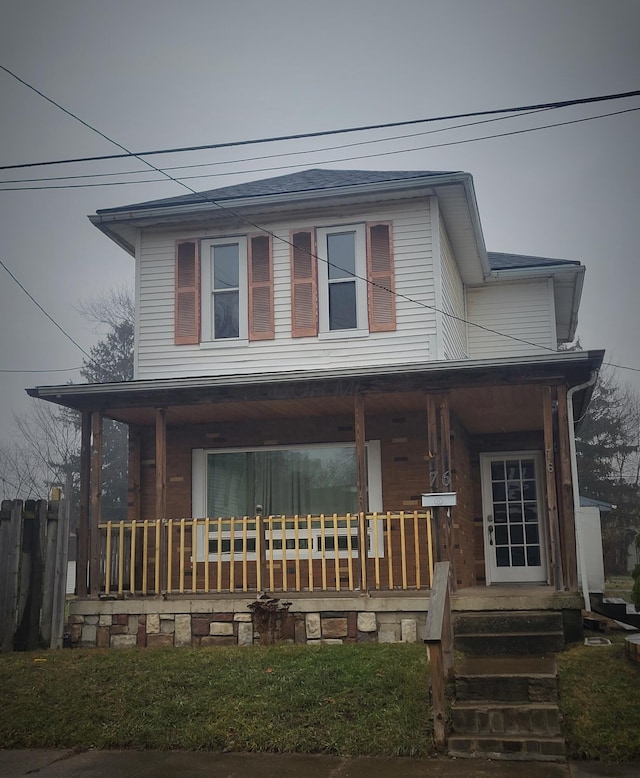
576,486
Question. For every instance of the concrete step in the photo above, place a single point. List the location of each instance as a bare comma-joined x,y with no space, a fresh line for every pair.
508,747
509,643
496,719
507,679
477,622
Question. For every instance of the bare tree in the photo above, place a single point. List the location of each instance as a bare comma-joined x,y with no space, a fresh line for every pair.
109,309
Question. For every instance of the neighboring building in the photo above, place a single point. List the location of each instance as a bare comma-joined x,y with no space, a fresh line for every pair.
313,353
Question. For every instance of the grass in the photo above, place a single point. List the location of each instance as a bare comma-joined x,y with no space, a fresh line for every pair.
619,586
600,702
344,700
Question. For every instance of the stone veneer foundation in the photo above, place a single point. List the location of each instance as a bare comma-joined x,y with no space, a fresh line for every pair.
194,622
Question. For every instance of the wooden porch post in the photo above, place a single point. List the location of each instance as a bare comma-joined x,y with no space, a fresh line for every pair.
434,475
445,482
161,487
361,462
550,481
135,464
567,515
96,502
83,522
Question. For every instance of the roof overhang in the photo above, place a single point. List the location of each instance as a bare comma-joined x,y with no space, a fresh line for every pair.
116,400
455,193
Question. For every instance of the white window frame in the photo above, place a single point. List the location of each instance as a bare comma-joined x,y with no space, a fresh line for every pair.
206,253
374,498
362,316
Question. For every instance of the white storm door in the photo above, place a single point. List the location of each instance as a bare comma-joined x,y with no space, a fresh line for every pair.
515,549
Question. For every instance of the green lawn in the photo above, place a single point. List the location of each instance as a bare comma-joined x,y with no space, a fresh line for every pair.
600,702
345,700
352,700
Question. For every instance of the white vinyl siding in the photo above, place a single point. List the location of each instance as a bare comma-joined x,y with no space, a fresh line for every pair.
454,329
522,310
159,357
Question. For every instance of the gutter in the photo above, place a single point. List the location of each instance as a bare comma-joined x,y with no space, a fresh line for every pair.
576,486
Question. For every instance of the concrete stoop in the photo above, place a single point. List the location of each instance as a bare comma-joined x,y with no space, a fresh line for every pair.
505,700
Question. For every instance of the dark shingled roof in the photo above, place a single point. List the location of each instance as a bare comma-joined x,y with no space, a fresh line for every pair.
516,261
304,181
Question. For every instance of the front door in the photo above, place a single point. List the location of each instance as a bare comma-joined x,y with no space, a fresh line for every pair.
513,517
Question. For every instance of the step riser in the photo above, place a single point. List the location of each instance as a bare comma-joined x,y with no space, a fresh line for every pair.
511,749
506,689
548,621
496,720
509,644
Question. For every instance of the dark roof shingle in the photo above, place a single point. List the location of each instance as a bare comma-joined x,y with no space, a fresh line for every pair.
500,261
304,181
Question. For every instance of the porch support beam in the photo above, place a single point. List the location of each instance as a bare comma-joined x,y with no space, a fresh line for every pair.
550,479
161,492
361,465
96,502
135,464
567,513
83,522
161,463
434,476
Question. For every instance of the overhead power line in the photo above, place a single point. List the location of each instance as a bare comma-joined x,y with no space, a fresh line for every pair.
296,136
261,228
289,167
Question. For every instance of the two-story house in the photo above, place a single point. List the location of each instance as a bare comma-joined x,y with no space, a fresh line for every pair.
313,354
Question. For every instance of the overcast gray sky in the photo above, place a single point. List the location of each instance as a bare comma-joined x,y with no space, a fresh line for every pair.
154,74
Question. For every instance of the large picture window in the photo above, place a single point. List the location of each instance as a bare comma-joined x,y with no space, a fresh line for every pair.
279,481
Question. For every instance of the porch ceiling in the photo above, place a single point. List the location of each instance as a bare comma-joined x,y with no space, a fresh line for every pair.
480,409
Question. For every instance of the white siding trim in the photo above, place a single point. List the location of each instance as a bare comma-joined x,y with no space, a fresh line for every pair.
552,313
436,226
136,303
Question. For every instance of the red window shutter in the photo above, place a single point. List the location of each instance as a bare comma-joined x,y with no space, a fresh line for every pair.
261,324
382,299
187,293
304,285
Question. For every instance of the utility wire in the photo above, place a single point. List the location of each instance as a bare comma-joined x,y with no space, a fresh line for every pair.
248,221
52,370
48,315
297,136
288,167
269,156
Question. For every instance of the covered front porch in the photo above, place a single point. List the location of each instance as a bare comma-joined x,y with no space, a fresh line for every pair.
312,486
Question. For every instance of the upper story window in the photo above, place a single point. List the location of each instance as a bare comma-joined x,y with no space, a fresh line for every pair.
224,289
341,285
342,275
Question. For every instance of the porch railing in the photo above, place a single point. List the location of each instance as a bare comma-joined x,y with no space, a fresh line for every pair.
373,551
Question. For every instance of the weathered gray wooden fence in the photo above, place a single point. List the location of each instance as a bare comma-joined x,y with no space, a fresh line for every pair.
34,540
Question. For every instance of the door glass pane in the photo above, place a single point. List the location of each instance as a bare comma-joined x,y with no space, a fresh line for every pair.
341,253
342,306
517,556
515,512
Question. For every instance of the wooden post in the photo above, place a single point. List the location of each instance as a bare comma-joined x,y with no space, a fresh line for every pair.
161,486
135,465
444,514
439,638
96,502
82,557
361,463
434,474
51,546
61,561
568,523
11,549
552,501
